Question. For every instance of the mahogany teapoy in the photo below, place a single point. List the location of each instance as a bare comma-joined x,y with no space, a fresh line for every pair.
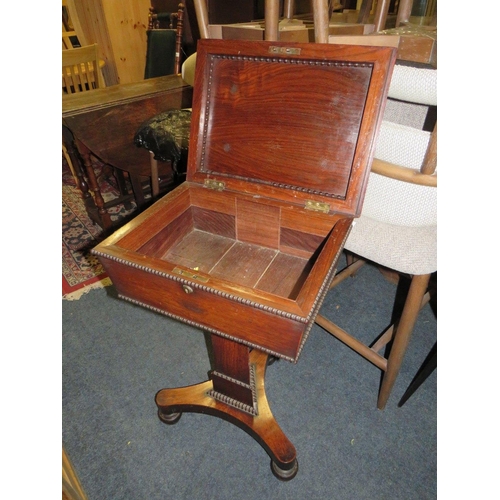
282,138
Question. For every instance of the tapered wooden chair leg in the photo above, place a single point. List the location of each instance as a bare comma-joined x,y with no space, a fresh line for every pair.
413,304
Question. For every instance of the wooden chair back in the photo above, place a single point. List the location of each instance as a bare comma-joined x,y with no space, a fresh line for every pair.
68,35
80,70
160,48
72,32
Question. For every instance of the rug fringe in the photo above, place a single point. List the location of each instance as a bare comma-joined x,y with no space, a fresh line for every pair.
77,294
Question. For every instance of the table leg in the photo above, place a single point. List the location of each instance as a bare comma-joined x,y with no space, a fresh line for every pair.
122,187
69,143
235,393
105,219
135,180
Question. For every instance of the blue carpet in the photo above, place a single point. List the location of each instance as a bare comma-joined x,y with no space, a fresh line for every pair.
116,356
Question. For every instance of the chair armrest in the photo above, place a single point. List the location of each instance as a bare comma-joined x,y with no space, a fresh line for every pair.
403,173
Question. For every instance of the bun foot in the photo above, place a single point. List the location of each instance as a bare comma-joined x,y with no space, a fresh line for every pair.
285,474
271,360
169,418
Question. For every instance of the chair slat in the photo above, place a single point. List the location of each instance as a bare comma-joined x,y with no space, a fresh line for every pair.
81,68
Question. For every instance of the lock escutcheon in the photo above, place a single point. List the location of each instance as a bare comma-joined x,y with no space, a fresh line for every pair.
187,289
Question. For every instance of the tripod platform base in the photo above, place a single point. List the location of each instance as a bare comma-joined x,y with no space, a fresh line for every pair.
262,426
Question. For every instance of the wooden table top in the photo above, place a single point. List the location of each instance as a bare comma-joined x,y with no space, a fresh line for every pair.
86,102
106,120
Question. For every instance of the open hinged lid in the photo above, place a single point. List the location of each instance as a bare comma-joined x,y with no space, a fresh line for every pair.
289,121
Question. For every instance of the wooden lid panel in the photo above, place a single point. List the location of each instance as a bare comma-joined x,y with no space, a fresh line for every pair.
302,121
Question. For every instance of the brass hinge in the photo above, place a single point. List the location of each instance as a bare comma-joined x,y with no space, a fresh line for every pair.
215,184
317,206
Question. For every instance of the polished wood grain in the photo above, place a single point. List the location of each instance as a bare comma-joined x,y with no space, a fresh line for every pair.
282,138
104,122
257,223
284,125
214,222
244,263
262,427
147,227
169,236
285,275
199,250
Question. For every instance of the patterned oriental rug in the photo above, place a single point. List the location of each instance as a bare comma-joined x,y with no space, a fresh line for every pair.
81,271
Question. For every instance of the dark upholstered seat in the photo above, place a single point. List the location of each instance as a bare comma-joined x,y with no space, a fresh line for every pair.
166,135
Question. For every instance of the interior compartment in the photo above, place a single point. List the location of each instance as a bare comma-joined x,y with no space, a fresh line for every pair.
280,146
247,244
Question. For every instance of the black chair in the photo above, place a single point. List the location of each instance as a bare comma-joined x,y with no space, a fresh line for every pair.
164,46
166,135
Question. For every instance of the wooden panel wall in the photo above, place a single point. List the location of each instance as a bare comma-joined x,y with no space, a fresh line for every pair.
119,28
127,22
